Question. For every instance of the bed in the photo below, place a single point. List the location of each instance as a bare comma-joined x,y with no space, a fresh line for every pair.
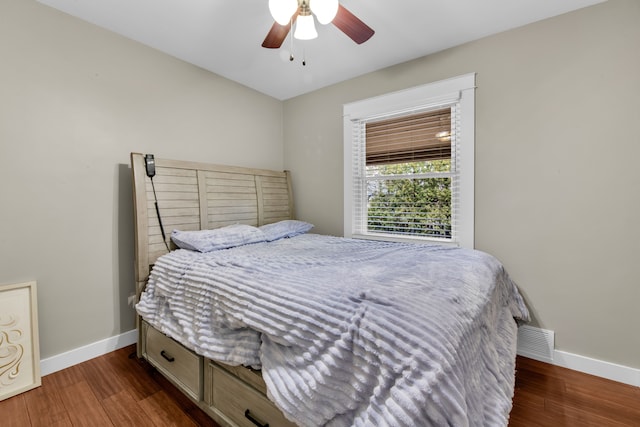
274,325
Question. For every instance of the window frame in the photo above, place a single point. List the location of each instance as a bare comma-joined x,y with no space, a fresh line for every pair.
457,90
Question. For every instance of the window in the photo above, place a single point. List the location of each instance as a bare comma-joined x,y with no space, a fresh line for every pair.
408,174
409,164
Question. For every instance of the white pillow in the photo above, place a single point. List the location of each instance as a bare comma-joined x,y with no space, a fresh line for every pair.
219,238
286,228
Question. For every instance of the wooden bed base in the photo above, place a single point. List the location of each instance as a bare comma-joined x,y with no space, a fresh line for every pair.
197,196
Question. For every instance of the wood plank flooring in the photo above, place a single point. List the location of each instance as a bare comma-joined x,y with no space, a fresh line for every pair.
112,390
119,390
548,395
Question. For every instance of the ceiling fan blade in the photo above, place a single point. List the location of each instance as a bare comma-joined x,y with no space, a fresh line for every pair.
278,33
352,26
276,36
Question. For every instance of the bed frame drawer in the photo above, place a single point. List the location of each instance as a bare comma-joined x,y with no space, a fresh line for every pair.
181,366
242,404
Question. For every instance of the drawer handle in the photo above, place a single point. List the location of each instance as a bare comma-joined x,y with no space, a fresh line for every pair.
167,356
248,416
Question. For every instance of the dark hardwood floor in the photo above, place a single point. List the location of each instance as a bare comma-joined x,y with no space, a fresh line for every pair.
119,390
548,395
112,390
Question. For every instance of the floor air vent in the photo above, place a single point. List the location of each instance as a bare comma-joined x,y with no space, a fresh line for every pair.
536,343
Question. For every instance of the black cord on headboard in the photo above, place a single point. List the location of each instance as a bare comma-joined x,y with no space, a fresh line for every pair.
150,165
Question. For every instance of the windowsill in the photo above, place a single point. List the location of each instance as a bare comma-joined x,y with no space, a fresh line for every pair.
406,239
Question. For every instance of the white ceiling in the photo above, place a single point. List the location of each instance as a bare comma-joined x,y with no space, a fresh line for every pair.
224,36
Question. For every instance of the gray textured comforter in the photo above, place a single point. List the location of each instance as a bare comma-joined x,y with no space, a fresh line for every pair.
351,332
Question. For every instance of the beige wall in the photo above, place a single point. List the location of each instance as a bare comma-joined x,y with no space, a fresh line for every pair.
75,100
557,176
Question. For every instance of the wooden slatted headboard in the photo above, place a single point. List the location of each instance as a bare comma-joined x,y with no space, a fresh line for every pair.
199,196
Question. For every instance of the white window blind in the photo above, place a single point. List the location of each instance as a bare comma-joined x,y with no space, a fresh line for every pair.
407,174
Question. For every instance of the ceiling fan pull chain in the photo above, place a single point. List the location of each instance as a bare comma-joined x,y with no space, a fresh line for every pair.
291,39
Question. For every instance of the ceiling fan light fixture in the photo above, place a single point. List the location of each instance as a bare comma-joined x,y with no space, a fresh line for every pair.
283,10
305,28
325,10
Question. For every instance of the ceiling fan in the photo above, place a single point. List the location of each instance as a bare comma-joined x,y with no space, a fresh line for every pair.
286,12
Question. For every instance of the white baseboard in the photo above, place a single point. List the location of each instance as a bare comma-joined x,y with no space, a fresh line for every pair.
538,344
87,352
600,368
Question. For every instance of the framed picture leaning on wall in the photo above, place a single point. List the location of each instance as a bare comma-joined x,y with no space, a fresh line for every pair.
19,346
